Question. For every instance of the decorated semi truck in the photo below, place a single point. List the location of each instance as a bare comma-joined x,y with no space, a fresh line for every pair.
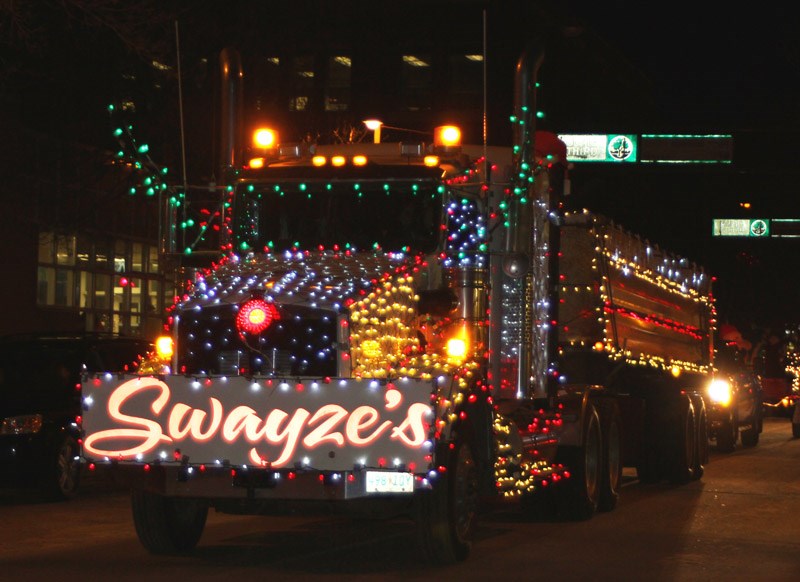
410,329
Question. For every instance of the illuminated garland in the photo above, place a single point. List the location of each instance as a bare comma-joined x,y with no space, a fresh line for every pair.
152,178
513,475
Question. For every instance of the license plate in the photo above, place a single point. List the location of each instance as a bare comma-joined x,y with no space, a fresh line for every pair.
388,482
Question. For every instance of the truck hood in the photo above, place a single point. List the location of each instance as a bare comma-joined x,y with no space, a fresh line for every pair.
319,279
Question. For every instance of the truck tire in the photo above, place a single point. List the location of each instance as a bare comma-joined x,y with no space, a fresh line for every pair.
727,435
446,517
611,469
681,444
579,497
167,525
796,430
701,421
63,476
750,436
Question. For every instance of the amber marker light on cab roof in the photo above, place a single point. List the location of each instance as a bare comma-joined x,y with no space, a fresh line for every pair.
265,138
447,136
256,163
319,161
359,160
338,161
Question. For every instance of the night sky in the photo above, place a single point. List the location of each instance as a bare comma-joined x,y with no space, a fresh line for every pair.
713,63
715,67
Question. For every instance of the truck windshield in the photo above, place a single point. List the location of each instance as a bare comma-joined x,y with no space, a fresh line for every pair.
392,216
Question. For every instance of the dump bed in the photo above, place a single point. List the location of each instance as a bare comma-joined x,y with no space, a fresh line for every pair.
628,295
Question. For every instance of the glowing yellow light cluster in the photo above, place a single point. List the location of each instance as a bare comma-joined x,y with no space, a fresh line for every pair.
383,330
513,476
158,361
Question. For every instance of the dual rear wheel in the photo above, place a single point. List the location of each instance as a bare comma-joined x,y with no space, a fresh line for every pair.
675,441
596,465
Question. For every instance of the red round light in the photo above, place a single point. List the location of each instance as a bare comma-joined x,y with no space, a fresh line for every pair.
255,316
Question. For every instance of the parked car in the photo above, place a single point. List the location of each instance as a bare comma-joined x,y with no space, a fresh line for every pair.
734,400
40,404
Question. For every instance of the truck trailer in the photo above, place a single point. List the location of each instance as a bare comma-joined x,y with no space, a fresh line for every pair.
417,329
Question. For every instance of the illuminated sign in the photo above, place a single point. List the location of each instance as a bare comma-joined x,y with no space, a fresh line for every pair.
261,422
650,148
757,227
686,148
749,227
600,147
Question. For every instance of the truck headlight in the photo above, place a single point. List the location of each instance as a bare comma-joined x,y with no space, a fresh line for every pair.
457,348
719,391
165,347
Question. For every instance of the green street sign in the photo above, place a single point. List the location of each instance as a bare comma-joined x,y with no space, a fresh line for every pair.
614,147
746,227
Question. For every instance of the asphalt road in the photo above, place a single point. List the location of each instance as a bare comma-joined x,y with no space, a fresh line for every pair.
738,523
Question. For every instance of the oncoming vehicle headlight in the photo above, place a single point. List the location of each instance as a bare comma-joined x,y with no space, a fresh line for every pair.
719,391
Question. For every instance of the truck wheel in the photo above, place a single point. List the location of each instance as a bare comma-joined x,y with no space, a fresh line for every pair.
681,444
62,479
796,430
751,435
167,525
446,517
580,495
727,435
701,440
611,469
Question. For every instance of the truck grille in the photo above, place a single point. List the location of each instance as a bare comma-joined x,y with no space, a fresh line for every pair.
302,342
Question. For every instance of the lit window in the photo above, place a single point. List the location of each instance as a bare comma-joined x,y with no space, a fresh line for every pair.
414,61
337,86
416,83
